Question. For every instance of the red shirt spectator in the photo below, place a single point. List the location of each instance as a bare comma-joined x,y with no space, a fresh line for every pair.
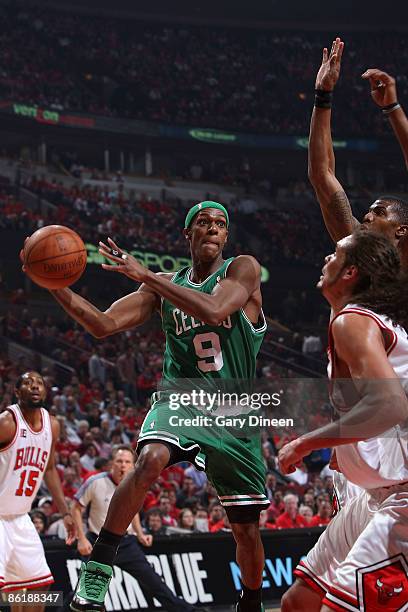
291,517
323,517
285,521
216,515
318,521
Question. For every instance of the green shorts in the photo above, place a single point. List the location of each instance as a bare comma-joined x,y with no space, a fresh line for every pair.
230,456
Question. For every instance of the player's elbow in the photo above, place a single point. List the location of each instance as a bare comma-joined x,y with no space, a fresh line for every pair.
99,332
318,173
214,317
102,327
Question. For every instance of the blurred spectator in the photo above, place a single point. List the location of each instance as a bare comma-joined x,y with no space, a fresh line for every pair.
277,506
265,522
96,366
270,485
70,483
323,517
154,523
187,491
290,517
300,475
217,514
201,520
40,521
45,504
88,459
199,478
165,510
307,513
186,520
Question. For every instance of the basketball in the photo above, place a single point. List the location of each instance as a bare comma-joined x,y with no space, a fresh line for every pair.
55,256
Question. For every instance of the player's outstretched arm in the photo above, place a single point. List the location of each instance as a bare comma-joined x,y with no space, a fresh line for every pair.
231,294
334,203
130,311
383,91
383,404
127,312
53,482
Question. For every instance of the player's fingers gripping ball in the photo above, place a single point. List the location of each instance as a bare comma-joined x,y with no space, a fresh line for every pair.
54,257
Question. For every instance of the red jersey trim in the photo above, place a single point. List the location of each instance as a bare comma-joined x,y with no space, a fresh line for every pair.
5,448
304,573
25,585
334,606
34,583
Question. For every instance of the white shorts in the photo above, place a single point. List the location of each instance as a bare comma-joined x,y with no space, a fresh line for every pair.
344,490
22,557
360,562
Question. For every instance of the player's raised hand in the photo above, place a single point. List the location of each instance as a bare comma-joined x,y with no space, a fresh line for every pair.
125,263
382,86
329,70
290,457
71,529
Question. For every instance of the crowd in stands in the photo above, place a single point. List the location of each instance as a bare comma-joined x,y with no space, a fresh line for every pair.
256,81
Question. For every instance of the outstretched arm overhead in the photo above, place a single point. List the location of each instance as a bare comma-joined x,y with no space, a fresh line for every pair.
384,93
334,203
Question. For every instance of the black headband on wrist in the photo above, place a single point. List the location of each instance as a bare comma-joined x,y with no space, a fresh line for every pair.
323,98
390,108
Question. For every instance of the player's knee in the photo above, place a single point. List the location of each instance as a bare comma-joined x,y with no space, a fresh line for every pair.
151,463
288,601
246,534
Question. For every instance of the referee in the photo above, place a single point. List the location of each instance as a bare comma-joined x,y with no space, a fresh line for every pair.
96,492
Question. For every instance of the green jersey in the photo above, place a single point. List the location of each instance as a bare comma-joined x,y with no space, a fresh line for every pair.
197,350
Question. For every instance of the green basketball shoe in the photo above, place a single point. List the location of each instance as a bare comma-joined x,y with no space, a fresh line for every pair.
92,587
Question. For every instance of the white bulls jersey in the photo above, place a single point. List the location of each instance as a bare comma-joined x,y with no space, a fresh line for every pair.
380,461
23,463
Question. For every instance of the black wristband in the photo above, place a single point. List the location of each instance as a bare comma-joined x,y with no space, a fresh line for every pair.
386,110
323,98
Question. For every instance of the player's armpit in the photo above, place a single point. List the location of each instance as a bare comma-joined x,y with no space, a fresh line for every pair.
7,429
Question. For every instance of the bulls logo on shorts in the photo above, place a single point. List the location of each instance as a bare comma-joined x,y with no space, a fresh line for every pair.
384,586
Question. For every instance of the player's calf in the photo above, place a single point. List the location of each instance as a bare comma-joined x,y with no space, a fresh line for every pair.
251,561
